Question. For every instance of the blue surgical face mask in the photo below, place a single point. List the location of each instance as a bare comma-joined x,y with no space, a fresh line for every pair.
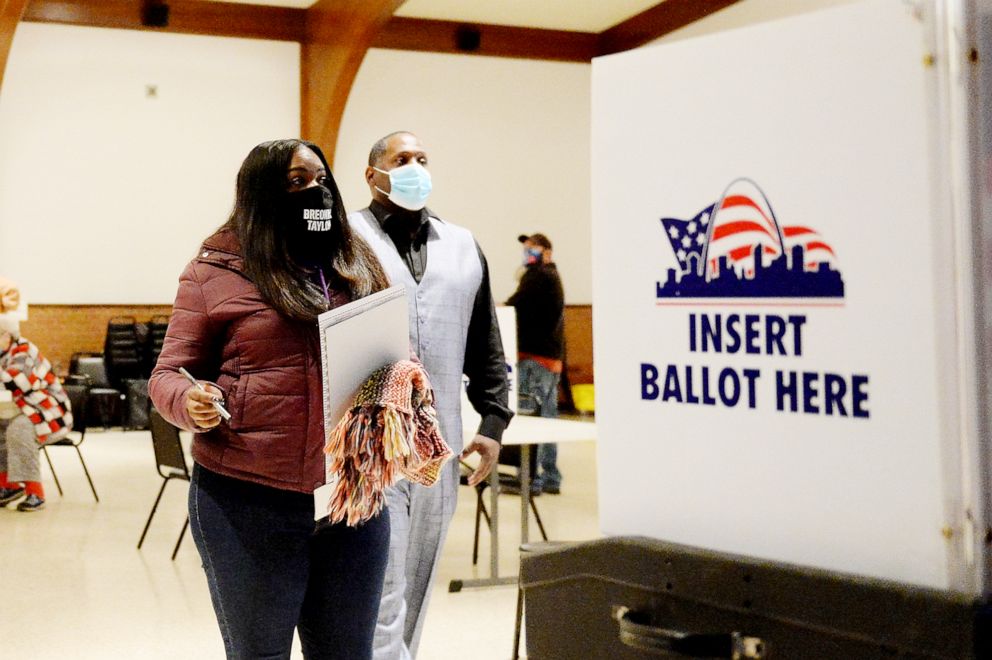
532,256
409,186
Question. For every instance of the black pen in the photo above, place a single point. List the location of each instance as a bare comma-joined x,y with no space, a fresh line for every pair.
217,405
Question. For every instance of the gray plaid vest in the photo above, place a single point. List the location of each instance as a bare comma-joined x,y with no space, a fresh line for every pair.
440,306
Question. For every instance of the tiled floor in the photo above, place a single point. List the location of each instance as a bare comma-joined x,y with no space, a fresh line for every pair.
75,586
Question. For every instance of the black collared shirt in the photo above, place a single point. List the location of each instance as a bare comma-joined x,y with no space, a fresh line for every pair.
408,230
485,364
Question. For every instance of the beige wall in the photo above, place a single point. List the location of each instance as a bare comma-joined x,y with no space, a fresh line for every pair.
509,147
106,193
747,12
119,187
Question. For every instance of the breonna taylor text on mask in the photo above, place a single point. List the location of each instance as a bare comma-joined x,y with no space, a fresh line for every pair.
318,219
806,392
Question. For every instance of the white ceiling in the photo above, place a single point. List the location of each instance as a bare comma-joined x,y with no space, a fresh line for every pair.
581,15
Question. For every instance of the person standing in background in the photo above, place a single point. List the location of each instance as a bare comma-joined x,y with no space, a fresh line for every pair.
453,330
540,304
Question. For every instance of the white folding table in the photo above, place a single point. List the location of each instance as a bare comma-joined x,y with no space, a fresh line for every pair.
524,431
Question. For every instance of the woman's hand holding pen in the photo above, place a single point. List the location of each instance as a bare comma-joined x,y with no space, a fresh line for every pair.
200,405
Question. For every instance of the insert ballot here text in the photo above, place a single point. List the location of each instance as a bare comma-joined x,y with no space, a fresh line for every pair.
796,391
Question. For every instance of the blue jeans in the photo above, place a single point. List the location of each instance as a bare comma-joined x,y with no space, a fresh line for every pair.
539,386
269,572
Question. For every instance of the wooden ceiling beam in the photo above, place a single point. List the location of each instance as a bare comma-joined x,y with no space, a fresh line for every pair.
337,35
232,19
10,15
483,39
655,22
222,19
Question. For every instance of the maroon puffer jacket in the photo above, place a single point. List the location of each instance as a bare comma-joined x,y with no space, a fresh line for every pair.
267,365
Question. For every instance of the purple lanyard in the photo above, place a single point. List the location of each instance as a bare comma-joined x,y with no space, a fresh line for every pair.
323,283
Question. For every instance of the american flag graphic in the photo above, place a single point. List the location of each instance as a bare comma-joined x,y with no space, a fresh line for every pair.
817,250
736,225
688,238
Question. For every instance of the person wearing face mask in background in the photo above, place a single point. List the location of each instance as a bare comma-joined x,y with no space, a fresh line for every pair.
453,330
540,304
245,324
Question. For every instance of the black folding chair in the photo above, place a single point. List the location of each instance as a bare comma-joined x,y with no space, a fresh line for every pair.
509,484
106,403
170,461
78,400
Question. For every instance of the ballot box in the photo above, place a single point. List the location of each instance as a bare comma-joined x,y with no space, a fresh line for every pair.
792,364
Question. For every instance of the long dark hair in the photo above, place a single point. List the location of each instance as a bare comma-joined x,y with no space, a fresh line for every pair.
261,188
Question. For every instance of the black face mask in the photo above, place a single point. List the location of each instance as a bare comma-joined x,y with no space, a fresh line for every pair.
307,220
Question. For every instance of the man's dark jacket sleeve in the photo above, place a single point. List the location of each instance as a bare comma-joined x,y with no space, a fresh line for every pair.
485,364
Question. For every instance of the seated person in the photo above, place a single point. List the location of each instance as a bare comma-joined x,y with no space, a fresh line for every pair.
10,296
40,415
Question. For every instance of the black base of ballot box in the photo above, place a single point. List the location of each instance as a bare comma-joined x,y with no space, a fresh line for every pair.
630,597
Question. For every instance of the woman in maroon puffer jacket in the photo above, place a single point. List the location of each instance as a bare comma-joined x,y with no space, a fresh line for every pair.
244,322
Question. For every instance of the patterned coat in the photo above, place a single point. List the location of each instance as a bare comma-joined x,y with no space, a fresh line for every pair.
36,390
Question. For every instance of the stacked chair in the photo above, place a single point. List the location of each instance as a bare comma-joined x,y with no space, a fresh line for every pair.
118,377
105,402
125,353
156,337
123,350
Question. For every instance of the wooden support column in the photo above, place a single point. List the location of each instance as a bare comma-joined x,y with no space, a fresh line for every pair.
338,33
10,15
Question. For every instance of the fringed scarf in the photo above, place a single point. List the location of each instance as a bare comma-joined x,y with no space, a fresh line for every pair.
390,432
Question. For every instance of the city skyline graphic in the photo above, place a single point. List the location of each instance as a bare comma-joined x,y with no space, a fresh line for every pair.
736,248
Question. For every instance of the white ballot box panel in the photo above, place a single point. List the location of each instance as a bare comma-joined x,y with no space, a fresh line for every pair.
774,308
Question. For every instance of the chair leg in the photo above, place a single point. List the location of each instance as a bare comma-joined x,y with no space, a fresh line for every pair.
87,473
537,517
125,413
478,516
152,514
48,458
104,413
519,622
480,510
175,551
485,511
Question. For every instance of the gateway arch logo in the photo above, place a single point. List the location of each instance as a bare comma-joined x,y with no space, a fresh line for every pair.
736,248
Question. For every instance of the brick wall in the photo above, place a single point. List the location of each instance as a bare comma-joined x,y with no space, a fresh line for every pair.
61,330
578,343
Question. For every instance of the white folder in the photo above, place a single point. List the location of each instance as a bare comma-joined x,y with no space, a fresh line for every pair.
355,340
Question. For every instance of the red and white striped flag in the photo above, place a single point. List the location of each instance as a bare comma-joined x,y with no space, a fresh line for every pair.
743,221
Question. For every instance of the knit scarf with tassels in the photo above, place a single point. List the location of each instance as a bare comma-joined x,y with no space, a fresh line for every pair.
390,432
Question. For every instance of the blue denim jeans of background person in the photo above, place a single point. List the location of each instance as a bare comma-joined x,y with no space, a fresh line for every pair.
541,384
269,572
